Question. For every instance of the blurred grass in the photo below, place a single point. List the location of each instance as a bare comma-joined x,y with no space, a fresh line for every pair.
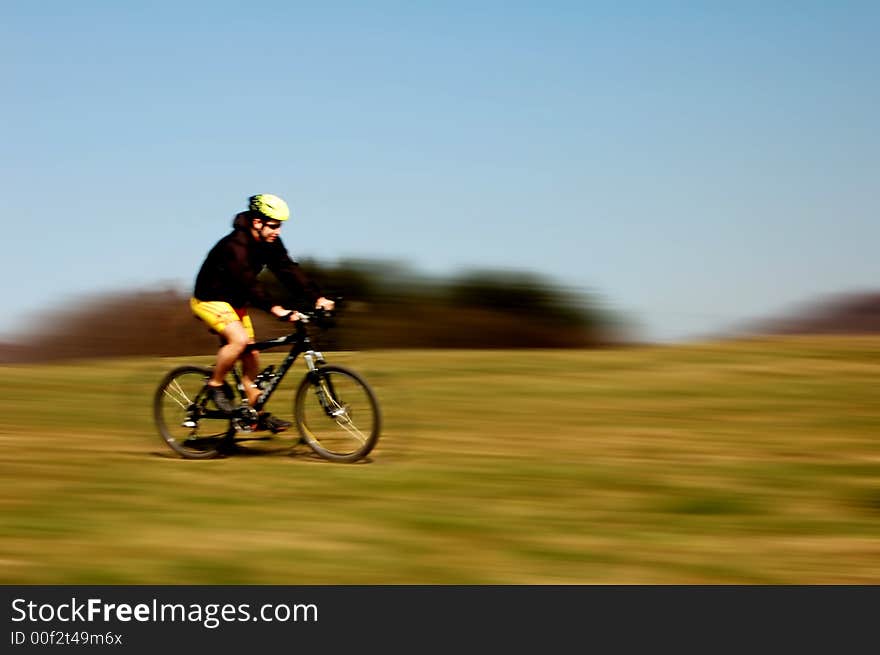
743,462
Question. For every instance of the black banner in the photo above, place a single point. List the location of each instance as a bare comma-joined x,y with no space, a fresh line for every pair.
423,618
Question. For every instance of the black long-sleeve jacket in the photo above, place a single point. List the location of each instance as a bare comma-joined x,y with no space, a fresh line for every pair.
230,270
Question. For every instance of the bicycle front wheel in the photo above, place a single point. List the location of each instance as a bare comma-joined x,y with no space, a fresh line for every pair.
337,414
187,421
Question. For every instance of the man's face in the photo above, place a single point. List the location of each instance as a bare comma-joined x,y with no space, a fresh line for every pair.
267,229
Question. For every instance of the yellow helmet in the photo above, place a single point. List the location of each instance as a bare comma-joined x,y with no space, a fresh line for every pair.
269,206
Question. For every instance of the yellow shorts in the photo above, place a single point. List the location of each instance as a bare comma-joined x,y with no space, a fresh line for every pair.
218,314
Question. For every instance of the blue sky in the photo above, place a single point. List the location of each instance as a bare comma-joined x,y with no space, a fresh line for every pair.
692,164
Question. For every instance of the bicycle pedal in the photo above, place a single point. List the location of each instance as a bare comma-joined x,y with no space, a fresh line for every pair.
189,423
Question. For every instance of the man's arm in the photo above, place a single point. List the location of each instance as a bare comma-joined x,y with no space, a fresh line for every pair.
291,275
235,262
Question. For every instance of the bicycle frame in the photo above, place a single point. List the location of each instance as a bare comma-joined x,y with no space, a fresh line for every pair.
302,345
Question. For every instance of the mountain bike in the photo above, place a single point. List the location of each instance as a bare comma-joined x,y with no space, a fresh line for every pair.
335,411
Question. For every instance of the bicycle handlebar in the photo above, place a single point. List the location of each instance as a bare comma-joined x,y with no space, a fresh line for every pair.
319,316
316,315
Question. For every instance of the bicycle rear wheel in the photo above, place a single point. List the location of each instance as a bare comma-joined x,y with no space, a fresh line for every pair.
337,414
187,420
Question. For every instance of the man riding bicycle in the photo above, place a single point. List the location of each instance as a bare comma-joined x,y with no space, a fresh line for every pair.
227,285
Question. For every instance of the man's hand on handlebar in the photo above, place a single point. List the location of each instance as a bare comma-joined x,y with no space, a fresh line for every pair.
284,314
288,315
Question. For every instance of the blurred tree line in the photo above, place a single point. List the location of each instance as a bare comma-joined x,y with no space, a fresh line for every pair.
385,305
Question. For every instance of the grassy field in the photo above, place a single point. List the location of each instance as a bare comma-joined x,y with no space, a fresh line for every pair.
742,462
